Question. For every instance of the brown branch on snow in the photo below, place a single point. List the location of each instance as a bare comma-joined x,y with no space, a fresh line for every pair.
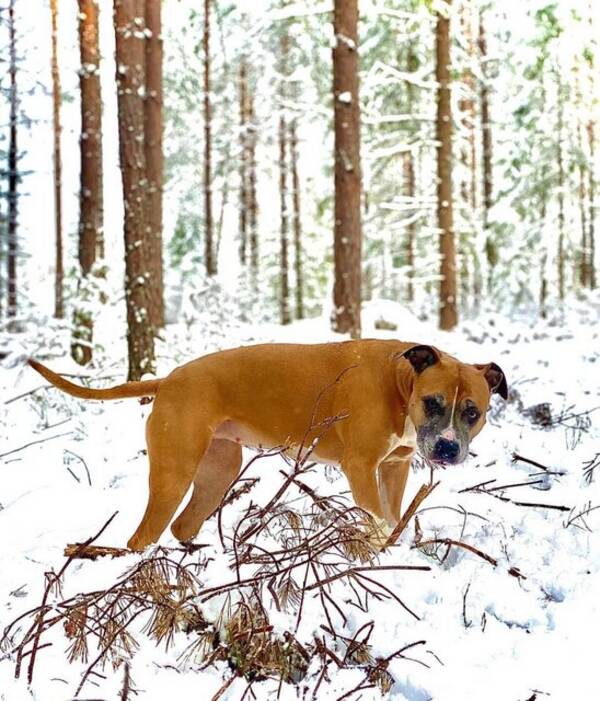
424,491
81,551
514,571
528,461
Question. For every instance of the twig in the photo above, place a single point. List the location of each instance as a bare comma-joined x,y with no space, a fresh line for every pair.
424,491
79,551
28,445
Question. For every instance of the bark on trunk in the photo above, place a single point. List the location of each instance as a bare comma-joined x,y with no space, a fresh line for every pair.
244,158
490,248
209,257
13,177
410,184
592,216
130,57
347,215
59,273
253,205
297,222
284,284
153,133
448,308
91,240
561,189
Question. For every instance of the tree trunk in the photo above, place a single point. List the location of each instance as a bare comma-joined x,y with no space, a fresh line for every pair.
592,216
297,222
448,309
153,133
490,248
91,240
130,58
244,165
347,215
284,284
253,205
409,188
561,187
13,177
410,183
59,273
209,257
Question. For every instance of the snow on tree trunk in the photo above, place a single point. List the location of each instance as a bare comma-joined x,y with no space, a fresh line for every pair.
347,214
448,309
91,239
209,253
13,176
130,58
59,273
153,131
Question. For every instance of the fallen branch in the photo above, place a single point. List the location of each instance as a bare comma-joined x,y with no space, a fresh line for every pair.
81,551
514,571
28,445
424,491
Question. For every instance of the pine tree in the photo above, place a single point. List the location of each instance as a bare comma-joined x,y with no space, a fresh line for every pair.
448,307
347,214
130,57
13,175
209,253
153,140
284,284
56,97
91,215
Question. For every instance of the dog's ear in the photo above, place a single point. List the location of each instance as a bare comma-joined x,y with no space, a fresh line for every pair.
495,378
421,357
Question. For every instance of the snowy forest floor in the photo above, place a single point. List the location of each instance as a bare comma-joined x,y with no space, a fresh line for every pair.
488,635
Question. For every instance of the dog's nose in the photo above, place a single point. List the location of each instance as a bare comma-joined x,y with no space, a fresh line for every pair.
446,450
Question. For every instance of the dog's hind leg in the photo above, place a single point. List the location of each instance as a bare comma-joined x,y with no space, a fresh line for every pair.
177,441
218,468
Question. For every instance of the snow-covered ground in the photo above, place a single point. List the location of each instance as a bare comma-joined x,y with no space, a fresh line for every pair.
506,638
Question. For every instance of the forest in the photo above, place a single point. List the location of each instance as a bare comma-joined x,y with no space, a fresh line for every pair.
181,177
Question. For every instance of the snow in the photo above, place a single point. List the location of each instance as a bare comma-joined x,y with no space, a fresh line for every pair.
516,635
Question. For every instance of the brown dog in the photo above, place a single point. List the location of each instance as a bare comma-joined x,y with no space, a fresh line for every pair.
394,396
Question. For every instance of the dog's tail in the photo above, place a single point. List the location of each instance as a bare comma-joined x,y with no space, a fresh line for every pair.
148,388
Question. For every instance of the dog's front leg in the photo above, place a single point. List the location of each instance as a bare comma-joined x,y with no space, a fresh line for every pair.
361,472
393,474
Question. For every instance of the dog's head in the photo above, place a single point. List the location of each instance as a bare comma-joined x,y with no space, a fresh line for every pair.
448,400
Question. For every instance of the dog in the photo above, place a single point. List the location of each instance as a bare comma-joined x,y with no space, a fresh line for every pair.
390,398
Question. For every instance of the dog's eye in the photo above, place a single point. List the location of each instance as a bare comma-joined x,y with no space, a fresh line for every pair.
471,414
433,406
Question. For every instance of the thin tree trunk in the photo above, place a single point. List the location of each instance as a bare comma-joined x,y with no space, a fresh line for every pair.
543,277
59,273
592,197
490,248
561,188
410,183
347,215
253,205
91,240
244,156
448,308
209,258
13,177
130,54
153,133
297,222
284,284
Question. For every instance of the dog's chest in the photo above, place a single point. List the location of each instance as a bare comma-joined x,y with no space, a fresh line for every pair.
408,439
